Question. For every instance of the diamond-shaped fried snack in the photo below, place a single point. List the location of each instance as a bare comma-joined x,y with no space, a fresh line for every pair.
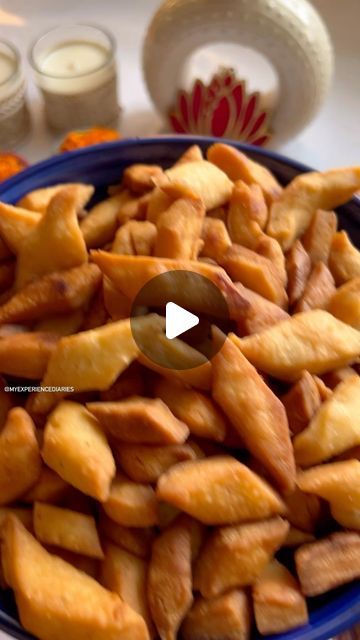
318,238
99,225
344,259
334,428
339,484
26,355
58,292
55,243
254,410
16,224
56,601
298,267
345,303
146,463
247,214
278,602
170,580
313,340
76,448
137,541
291,214
179,230
318,290
262,312
135,238
301,402
215,237
20,461
236,556
131,504
328,563
39,199
218,490
227,616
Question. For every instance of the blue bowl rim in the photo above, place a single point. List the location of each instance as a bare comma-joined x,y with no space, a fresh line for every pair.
330,622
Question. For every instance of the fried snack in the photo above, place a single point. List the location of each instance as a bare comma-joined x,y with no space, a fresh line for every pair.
140,420
333,378
262,312
328,563
63,325
192,154
202,178
48,488
55,600
318,291
235,556
130,383
339,484
301,402
96,313
198,411
314,341
239,167
344,259
170,580
278,602
26,355
89,360
99,225
59,292
344,304
116,304
254,410
67,529
143,463
218,490
39,199
136,541
76,448
15,225
271,249
303,511
296,537
131,504
158,202
20,461
198,376
215,237
139,178
291,215
126,574
134,208
25,516
247,214
179,229
255,272
298,267
227,616
54,244
334,428
135,237
318,237
130,273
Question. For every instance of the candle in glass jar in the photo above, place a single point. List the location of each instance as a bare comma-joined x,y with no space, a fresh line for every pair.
14,118
76,72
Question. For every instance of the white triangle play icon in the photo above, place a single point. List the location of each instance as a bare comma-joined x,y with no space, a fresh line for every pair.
178,320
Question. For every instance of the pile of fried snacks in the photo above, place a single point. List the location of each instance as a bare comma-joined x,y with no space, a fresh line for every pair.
140,501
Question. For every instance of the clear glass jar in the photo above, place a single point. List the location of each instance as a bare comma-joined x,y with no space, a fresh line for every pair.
14,115
75,70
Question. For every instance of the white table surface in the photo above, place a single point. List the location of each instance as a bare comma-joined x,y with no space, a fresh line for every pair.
332,139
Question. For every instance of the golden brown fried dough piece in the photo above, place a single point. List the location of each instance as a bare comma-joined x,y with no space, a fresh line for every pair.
262,312
179,229
99,225
314,341
59,292
328,563
334,428
318,291
227,616
63,325
278,602
130,383
131,504
143,463
170,580
76,448
48,488
271,249
39,199
298,267
344,259
43,582
15,225
303,511
291,215
135,238
318,238
301,402
215,237
67,529
296,537
333,378
20,461
135,540
218,490
141,420
139,178
345,303
236,556
247,214
339,484
198,411
255,411
26,355
239,167
192,154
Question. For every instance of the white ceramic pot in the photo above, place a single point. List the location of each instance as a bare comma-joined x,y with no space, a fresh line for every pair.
289,33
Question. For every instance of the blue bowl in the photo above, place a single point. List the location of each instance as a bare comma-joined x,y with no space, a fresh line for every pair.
103,165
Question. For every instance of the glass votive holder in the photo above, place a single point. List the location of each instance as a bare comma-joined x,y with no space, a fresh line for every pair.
75,70
14,115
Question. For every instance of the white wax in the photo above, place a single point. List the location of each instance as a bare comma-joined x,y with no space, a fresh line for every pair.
74,59
7,67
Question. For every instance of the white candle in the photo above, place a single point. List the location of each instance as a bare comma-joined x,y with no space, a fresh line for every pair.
14,119
76,73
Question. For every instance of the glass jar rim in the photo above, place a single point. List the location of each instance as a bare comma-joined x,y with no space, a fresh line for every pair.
103,65
16,53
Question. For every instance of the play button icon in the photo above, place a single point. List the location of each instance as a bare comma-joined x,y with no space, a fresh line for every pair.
178,320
